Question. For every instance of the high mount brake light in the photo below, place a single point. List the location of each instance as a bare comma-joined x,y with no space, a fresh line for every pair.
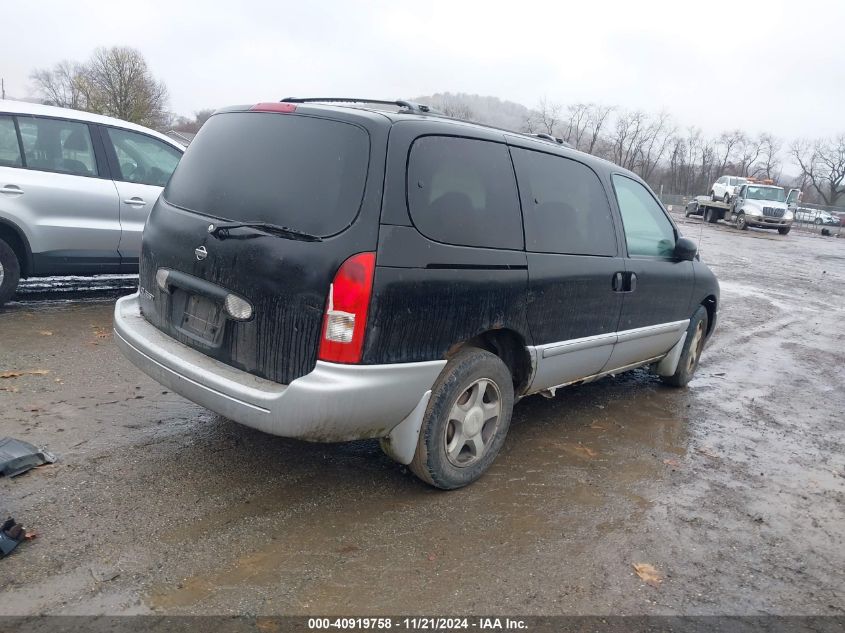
274,106
345,318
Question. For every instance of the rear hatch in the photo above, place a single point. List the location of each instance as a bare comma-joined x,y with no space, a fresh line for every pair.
253,296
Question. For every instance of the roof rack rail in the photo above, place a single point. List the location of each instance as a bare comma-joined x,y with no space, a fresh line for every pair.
418,108
553,139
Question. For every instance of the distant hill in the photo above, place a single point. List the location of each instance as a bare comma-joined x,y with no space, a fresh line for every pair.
482,109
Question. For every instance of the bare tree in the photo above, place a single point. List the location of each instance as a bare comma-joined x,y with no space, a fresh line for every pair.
822,163
184,124
769,164
548,116
114,81
655,140
62,85
726,145
578,119
627,138
749,150
595,124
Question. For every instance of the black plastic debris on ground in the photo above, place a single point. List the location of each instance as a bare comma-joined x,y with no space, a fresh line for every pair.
11,535
17,457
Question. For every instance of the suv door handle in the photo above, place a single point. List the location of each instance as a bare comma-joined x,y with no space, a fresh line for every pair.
11,189
616,282
632,282
135,202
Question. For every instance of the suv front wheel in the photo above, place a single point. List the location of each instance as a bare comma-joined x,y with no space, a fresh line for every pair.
466,421
691,353
10,272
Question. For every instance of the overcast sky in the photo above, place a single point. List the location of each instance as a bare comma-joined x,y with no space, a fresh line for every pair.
772,66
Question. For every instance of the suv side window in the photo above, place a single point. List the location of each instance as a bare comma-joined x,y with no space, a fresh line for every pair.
647,229
57,145
10,151
565,206
143,159
462,191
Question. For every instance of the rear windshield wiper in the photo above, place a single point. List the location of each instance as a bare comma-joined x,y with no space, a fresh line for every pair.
221,231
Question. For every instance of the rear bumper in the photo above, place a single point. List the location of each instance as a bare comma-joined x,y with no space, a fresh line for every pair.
332,403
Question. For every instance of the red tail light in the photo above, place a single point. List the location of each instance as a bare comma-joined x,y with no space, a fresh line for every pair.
346,310
274,106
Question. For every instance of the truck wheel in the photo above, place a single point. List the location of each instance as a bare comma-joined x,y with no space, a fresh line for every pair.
466,421
783,230
10,272
688,363
741,224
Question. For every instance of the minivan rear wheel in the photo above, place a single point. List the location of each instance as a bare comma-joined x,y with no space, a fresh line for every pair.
10,272
466,420
691,353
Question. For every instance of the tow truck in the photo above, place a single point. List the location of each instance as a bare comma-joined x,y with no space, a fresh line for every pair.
743,211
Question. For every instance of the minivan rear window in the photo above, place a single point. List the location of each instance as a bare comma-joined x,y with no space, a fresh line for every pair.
305,173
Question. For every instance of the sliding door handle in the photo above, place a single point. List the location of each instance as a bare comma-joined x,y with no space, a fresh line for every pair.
616,282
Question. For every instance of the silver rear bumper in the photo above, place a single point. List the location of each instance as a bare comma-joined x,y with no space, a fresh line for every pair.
332,403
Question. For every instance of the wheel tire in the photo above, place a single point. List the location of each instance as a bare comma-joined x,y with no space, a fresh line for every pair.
783,230
741,224
461,379
712,196
818,221
691,353
707,214
10,272
727,199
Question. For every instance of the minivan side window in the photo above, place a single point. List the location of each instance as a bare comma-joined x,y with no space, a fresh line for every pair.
10,151
462,191
143,159
647,229
564,204
57,145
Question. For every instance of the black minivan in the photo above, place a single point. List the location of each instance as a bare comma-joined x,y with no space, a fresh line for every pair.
336,270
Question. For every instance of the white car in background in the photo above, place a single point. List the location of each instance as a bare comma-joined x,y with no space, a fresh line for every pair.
815,216
725,188
75,191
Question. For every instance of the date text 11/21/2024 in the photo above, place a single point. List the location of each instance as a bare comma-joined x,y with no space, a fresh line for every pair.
418,624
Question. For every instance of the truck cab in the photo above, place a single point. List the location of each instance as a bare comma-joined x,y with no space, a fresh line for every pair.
762,206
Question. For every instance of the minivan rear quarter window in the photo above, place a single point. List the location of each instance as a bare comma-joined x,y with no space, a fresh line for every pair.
305,173
462,191
565,206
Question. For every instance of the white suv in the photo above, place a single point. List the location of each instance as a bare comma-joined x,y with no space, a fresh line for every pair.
725,188
75,191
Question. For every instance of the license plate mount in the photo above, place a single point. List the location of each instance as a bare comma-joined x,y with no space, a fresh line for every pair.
202,318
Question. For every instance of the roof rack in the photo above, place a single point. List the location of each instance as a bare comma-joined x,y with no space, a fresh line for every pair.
553,139
417,108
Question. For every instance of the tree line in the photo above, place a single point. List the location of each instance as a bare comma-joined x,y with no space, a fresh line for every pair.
118,82
678,160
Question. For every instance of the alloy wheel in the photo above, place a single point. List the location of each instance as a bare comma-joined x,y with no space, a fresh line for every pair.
695,346
473,423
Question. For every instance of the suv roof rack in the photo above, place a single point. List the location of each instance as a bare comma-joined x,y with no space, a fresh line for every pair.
417,108
553,139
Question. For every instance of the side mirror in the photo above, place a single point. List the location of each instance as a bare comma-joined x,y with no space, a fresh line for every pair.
685,249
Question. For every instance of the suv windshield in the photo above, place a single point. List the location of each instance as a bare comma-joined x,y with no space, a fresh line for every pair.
775,194
737,181
304,173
